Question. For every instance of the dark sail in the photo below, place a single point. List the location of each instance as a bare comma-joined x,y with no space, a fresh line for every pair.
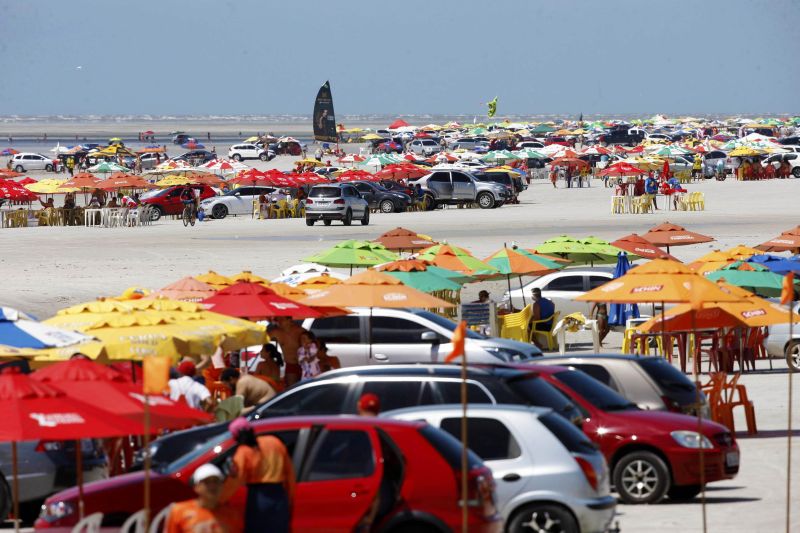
324,120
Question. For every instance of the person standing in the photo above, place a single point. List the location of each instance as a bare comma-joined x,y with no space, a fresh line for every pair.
651,188
288,337
263,465
205,513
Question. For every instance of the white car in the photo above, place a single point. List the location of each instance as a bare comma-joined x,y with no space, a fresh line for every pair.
778,343
25,161
776,160
425,147
562,288
239,152
239,201
549,475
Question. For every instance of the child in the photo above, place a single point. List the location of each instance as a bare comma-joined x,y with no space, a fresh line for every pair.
307,357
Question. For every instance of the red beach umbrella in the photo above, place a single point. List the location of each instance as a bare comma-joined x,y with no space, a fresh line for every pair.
11,190
667,234
256,302
635,244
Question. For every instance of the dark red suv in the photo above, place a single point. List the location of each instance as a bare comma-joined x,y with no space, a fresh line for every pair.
168,201
343,464
650,453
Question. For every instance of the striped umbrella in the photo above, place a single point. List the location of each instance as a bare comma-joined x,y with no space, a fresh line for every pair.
20,330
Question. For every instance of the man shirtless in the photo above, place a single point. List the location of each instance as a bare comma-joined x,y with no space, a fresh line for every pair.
254,390
287,333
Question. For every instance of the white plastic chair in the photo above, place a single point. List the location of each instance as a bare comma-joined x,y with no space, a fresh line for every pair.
134,523
89,524
158,521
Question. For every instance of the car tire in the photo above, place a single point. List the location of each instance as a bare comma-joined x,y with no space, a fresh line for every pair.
156,213
793,356
415,527
236,157
348,218
430,202
796,172
48,168
327,222
19,168
5,499
387,206
310,222
684,493
641,478
264,157
543,517
485,200
219,211
365,218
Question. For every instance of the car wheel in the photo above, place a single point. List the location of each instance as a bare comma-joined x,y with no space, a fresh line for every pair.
19,169
485,200
543,518
264,157
236,157
793,356
327,222
796,172
348,218
310,222
156,214
48,168
641,477
414,527
219,211
387,206
5,499
430,202
684,492
365,218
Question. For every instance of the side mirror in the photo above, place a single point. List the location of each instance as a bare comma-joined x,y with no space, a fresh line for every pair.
430,336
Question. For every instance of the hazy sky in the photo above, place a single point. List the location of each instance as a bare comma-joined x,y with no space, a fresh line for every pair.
394,57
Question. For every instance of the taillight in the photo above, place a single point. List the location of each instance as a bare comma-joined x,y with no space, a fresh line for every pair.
309,201
588,471
671,404
340,201
480,491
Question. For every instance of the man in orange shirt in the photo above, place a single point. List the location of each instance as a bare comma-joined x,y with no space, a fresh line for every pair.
264,466
205,514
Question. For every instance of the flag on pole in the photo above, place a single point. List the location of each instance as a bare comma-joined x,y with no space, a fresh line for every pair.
492,107
459,335
787,291
156,374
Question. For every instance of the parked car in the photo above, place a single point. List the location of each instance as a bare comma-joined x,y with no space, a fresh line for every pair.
148,160
549,475
343,465
469,144
46,468
396,386
621,135
240,152
181,138
510,180
651,454
337,201
238,201
168,201
196,157
792,158
407,336
711,160
530,144
25,161
445,186
381,198
778,344
424,146
562,288
649,382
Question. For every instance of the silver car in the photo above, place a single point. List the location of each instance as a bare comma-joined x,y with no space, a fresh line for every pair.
454,186
562,288
549,475
337,201
25,162
424,147
778,343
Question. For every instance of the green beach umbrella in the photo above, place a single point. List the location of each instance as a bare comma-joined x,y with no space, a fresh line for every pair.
753,277
543,128
589,250
107,167
423,276
457,259
518,262
670,151
353,253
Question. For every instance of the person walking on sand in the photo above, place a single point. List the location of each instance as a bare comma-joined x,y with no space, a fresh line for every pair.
206,513
554,176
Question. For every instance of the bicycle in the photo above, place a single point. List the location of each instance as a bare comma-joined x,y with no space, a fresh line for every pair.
189,214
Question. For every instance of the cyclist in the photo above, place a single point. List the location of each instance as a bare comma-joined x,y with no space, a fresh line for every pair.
189,199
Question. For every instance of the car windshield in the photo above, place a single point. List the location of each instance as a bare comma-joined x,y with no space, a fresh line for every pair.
325,192
446,324
593,391
666,375
187,459
152,194
536,391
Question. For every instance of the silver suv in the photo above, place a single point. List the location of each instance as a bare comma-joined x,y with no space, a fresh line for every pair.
337,201
28,161
424,147
454,186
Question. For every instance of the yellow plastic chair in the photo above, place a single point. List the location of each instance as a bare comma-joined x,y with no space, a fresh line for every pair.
547,334
515,325
280,209
617,204
701,201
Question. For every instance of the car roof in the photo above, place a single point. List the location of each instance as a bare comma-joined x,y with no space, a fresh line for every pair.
474,409
591,357
333,420
419,369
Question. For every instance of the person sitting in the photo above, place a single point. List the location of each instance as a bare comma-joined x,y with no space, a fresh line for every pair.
543,308
207,512
183,384
113,202
327,362
47,204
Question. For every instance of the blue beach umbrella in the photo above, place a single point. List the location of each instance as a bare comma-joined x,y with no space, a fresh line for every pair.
619,313
23,331
776,263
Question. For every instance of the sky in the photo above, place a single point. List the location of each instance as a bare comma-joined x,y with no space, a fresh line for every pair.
262,57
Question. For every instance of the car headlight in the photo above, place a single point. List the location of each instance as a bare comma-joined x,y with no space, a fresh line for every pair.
52,512
691,439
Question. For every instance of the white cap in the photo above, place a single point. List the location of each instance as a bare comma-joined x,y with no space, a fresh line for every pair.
206,471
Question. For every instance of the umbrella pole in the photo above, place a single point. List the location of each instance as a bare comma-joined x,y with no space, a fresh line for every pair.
464,447
146,462
369,334
522,290
79,474
15,473
700,453
788,434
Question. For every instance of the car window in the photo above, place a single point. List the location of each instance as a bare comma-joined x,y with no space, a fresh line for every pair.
338,329
597,372
666,375
322,399
450,392
391,330
566,283
325,192
490,439
458,177
342,455
400,394
571,437
596,281
363,187
439,177
593,391
791,157
536,391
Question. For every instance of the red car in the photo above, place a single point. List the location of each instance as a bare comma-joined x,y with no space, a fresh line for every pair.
168,201
650,453
342,465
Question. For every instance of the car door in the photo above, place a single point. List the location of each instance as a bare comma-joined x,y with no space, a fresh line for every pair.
440,184
399,340
398,393
339,479
463,187
172,202
343,337
367,193
357,204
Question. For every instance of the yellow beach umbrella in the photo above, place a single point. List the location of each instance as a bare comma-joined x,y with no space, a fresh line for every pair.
744,151
50,186
371,137
218,281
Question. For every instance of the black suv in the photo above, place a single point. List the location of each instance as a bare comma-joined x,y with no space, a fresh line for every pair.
381,198
197,157
621,135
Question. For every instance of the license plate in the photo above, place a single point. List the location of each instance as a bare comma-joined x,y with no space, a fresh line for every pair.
732,459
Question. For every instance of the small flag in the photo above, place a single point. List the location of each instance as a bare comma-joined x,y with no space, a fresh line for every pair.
492,107
459,335
787,292
156,374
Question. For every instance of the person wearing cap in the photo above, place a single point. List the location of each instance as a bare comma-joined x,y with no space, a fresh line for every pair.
264,466
369,405
206,512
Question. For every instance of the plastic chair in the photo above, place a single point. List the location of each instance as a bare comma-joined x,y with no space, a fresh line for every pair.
552,344
134,523
159,519
89,524
515,325
617,204
280,209
700,201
